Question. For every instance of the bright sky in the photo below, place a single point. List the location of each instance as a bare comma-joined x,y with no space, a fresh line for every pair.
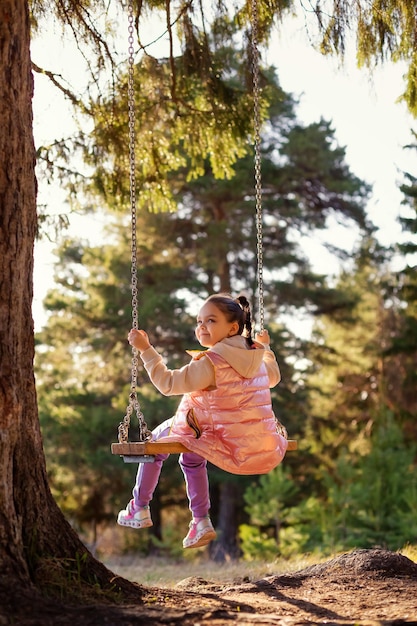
368,120
364,113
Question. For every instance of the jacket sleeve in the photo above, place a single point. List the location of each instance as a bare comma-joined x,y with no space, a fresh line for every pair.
272,367
198,374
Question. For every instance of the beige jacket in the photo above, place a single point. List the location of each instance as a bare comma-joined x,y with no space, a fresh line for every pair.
199,373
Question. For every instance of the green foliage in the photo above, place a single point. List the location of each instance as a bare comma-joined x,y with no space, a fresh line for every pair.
356,466
369,500
349,374
372,500
255,544
207,245
194,120
188,109
83,374
266,503
403,292
384,29
191,108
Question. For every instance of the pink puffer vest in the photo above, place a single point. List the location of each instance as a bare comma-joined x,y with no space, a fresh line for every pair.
232,426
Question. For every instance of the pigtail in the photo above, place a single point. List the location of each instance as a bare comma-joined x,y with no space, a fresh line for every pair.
247,318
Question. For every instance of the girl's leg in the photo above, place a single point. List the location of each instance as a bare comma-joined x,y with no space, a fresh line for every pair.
194,468
201,530
148,473
136,514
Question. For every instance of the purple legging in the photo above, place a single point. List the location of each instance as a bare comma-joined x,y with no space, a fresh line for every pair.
194,468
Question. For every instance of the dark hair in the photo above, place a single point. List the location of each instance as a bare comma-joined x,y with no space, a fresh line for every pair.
235,310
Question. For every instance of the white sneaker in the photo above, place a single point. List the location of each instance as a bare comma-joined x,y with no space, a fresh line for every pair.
200,534
135,518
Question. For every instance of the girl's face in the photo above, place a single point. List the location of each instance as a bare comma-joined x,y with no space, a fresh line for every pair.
212,325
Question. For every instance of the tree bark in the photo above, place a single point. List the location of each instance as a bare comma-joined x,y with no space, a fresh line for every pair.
37,545
20,443
225,547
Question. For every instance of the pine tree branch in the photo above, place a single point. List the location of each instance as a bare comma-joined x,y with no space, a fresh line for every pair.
55,80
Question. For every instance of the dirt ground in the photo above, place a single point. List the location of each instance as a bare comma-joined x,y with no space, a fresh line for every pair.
366,587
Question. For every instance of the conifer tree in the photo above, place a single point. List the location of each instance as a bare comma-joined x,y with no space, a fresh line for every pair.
35,539
209,244
356,407
403,344
347,356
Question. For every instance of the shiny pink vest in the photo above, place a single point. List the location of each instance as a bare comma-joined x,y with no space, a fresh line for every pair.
232,426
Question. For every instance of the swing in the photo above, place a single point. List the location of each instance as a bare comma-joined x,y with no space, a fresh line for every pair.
144,450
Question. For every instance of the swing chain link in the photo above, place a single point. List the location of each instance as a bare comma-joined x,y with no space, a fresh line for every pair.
258,181
132,164
144,433
133,406
258,174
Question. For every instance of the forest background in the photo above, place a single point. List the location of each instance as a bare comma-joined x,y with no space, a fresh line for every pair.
348,390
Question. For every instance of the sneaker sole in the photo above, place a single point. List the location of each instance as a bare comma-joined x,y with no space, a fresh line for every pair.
135,523
201,541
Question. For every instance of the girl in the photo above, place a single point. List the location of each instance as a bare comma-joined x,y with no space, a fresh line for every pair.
225,416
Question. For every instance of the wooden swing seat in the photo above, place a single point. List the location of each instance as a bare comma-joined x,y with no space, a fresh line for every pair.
137,451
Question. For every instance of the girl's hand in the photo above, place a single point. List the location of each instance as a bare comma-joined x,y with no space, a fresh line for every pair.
262,337
139,340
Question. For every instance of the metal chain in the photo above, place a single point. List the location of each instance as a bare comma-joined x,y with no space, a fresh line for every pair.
258,174
258,181
144,432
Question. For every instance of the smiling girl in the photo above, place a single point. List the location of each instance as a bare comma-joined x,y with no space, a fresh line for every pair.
225,415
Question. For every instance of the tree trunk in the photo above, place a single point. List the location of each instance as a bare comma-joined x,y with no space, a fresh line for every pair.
20,442
225,547
36,542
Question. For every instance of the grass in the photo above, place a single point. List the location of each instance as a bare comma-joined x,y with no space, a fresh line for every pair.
410,552
164,572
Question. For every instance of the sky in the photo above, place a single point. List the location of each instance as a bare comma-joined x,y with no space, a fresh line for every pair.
368,121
